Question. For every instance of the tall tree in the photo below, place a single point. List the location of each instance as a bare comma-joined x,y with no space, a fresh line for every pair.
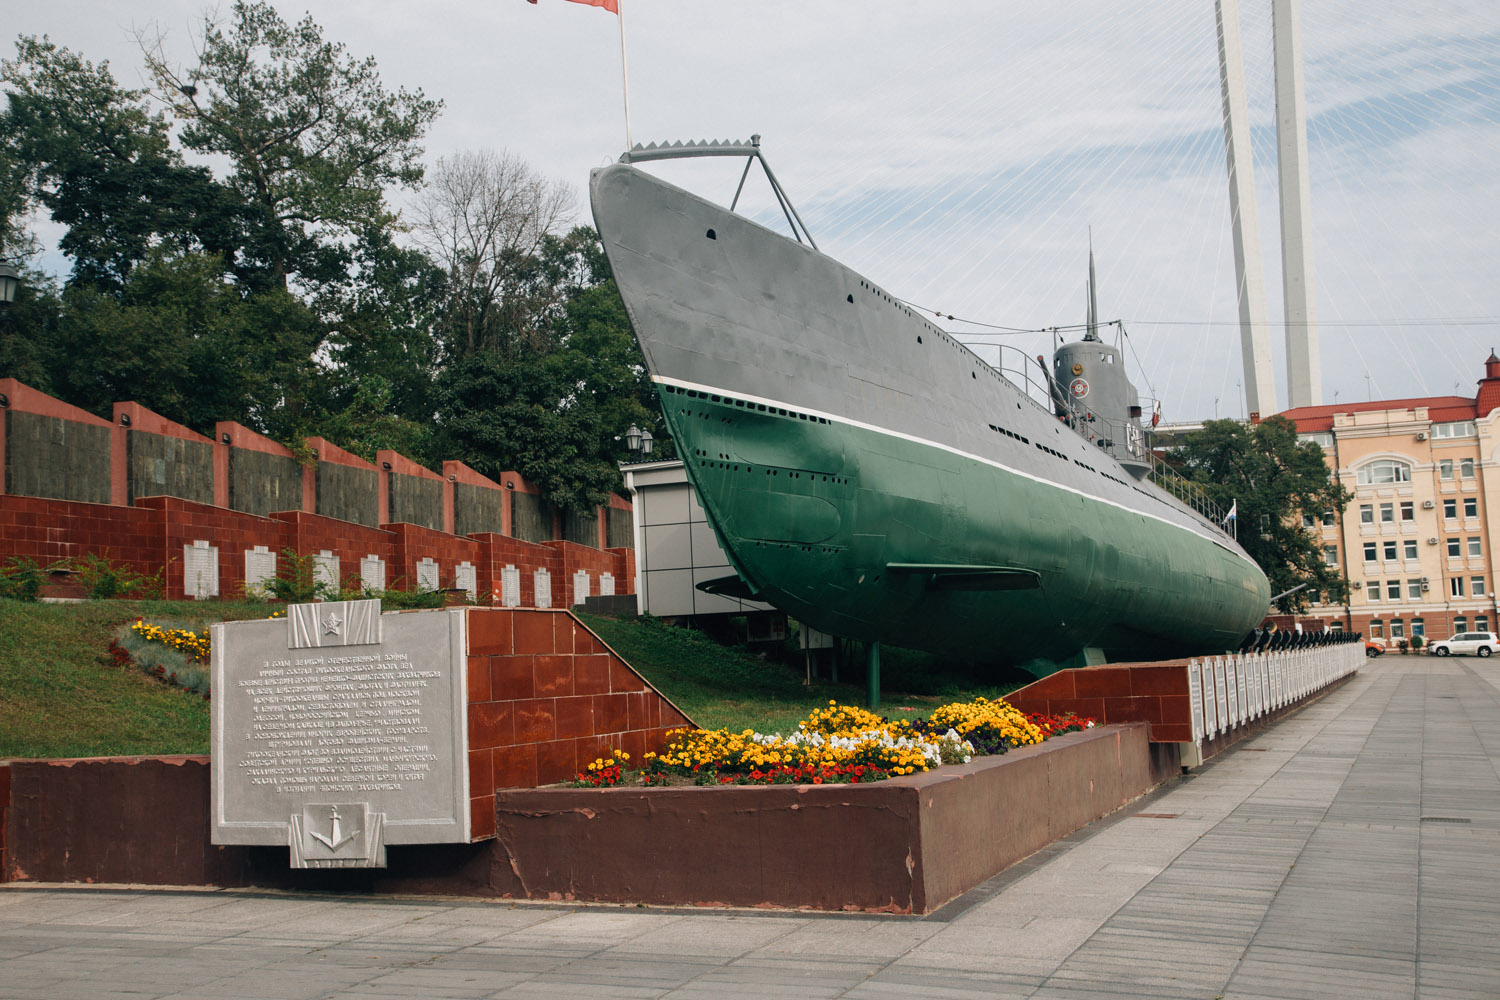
483,218
1274,479
101,162
312,135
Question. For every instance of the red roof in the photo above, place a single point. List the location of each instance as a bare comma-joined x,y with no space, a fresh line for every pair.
1439,408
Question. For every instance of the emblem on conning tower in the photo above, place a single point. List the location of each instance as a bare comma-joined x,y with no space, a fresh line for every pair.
1079,388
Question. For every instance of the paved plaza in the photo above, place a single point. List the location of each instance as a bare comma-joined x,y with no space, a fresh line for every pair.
1351,850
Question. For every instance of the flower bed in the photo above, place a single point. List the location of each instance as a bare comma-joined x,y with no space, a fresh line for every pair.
836,744
173,655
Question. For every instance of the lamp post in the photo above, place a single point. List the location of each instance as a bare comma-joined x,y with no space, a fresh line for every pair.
638,440
10,280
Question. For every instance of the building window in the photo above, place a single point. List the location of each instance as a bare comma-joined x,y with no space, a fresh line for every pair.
1474,549
1328,519
1377,628
1372,588
1330,555
1366,513
1393,589
1411,548
1413,590
1476,586
1418,627
1445,469
1454,429
1455,549
1455,586
1460,624
1471,506
1387,513
1323,439
1335,626
1466,468
1370,551
1390,550
1408,510
1384,471
1309,522
1450,508
1481,623
1398,629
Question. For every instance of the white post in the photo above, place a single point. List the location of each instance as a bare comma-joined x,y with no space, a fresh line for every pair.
1250,281
624,70
1303,374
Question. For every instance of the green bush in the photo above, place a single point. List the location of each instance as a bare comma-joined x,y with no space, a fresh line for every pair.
106,580
21,579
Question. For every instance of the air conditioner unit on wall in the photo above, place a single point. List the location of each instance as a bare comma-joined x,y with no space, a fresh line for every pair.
1426,580
1432,541
1356,585
1428,505
1426,587
1421,435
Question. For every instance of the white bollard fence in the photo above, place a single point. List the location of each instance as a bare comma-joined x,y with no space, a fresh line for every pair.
1229,691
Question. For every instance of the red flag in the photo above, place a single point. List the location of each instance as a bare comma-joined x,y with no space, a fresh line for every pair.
610,5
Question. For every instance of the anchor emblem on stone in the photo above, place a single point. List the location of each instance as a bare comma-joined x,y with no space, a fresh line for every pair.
334,841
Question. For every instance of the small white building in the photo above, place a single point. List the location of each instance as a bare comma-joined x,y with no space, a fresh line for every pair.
675,548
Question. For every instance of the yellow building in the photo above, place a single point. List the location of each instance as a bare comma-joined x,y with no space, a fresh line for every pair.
1417,542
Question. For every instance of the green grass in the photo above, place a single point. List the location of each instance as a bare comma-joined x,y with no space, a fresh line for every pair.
60,696
732,687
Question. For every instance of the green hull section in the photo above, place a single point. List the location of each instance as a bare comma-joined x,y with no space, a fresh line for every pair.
871,535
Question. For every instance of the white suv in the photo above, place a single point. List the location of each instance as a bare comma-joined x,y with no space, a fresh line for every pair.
1464,643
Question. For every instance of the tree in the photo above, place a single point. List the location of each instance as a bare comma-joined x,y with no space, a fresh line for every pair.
1275,480
312,136
483,218
94,155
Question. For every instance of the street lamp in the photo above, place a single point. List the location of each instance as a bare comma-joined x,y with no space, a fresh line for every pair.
10,279
638,440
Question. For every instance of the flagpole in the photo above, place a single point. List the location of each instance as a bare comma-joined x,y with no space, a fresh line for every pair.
624,70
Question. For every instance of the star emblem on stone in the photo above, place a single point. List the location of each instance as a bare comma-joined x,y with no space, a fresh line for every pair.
331,625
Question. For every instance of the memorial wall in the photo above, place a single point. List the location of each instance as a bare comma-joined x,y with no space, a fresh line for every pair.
213,513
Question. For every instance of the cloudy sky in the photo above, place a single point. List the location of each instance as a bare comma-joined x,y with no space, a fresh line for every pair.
961,152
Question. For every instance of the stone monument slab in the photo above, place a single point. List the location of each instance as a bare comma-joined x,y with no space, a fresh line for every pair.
340,730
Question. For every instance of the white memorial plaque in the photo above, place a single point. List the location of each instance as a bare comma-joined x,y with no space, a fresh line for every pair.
606,585
1195,699
543,588
1221,694
260,566
1239,680
466,578
200,570
1252,685
427,575
1210,702
1235,701
510,587
372,572
580,586
326,570
338,731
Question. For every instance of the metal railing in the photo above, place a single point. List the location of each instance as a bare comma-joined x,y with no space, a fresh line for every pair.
1189,493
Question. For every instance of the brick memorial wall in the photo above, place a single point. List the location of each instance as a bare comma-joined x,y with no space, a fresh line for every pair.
213,513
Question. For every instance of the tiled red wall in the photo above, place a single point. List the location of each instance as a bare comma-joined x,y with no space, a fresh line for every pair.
413,543
546,697
48,530
230,531
1156,693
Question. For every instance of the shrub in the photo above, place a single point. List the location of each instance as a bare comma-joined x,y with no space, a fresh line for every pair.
21,579
105,579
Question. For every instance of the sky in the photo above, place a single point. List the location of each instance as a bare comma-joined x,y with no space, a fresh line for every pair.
965,154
